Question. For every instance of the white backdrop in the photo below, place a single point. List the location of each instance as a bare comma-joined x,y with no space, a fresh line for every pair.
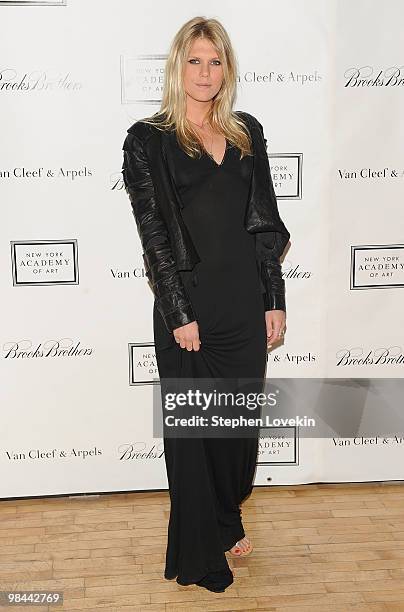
78,363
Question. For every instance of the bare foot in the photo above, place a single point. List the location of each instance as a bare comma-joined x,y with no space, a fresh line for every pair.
241,546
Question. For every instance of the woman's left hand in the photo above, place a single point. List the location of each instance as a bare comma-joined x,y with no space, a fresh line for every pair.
275,322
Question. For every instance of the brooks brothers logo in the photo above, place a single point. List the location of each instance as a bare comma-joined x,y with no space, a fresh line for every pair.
378,266
290,270
44,262
360,356
13,80
140,451
286,172
368,76
54,348
278,446
142,78
142,364
116,181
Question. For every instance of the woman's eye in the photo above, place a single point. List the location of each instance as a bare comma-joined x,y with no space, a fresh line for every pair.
216,62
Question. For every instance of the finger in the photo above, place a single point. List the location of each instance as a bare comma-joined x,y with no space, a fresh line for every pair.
280,331
196,344
189,345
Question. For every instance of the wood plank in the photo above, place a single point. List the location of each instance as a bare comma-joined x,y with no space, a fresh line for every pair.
319,547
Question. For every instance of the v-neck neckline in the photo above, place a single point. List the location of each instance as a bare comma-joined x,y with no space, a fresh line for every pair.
223,158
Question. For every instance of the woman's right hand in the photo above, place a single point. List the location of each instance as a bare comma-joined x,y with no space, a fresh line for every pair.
187,336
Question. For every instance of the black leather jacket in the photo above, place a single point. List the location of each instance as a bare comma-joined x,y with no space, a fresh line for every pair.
166,242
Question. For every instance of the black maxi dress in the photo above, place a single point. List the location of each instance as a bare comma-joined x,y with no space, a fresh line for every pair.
209,477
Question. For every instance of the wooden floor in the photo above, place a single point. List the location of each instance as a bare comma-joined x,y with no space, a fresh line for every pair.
317,548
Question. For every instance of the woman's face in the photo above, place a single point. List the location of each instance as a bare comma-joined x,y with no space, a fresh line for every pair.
203,73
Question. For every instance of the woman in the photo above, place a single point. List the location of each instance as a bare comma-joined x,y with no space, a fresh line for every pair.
198,178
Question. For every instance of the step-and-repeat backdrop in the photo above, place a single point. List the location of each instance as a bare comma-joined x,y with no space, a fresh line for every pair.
78,367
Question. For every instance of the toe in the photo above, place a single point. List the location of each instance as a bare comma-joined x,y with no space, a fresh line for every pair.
246,544
243,545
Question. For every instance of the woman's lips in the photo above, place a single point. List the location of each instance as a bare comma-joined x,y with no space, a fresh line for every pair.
202,85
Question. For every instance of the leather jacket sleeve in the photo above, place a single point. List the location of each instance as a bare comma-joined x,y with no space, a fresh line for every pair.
269,250
171,298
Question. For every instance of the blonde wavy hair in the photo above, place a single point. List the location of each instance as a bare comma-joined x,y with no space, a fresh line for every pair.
172,113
